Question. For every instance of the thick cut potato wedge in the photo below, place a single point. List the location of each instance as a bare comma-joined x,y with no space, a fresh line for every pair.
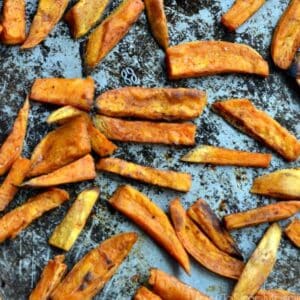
76,92
144,294
202,58
12,147
200,247
107,35
207,220
283,184
64,114
66,233
91,273
293,232
275,295
19,218
151,219
242,114
259,266
50,278
15,177
152,103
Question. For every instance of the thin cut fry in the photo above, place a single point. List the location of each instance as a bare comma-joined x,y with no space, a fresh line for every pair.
200,247
91,273
66,233
152,103
107,35
203,58
242,114
293,232
275,295
18,219
151,219
145,294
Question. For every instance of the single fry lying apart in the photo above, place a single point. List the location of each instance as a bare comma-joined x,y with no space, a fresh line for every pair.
151,219
283,184
242,114
76,92
19,218
275,295
50,278
152,103
200,247
293,232
259,266
265,214
66,233
202,58
146,132
210,224
107,35
144,294
91,273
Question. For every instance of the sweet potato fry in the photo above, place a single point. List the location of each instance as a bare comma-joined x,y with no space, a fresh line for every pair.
15,177
259,266
151,219
47,16
19,218
152,103
79,170
170,288
293,232
66,233
107,35
50,278
145,294
146,132
221,156
275,295
204,216
240,12
203,58
265,214
91,273
283,184
242,114
200,247
13,145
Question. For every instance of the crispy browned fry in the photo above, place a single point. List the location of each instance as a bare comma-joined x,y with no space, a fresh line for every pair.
293,232
205,217
19,218
15,177
47,16
50,278
1,28
77,92
152,103
275,295
283,184
200,247
13,145
145,294
150,218
146,132
242,114
106,36
91,273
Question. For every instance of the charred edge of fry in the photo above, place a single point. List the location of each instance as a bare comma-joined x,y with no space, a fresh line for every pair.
292,231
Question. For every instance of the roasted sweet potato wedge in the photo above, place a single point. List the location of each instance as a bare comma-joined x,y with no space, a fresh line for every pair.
144,294
259,266
91,273
66,233
283,184
275,295
50,278
242,114
210,224
19,218
15,177
107,35
12,147
293,232
200,247
151,219
152,103
202,58
146,132
76,92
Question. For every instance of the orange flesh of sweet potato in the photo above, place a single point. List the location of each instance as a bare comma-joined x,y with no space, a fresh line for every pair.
293,232
275,295
145,294
151,219
91,273
203,58
106,36
242,114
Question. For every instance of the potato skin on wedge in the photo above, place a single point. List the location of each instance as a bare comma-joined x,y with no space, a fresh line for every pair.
292,231
144,294
275,295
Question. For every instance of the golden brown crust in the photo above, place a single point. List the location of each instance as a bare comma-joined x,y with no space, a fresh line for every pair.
145,294
292,231
275,295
